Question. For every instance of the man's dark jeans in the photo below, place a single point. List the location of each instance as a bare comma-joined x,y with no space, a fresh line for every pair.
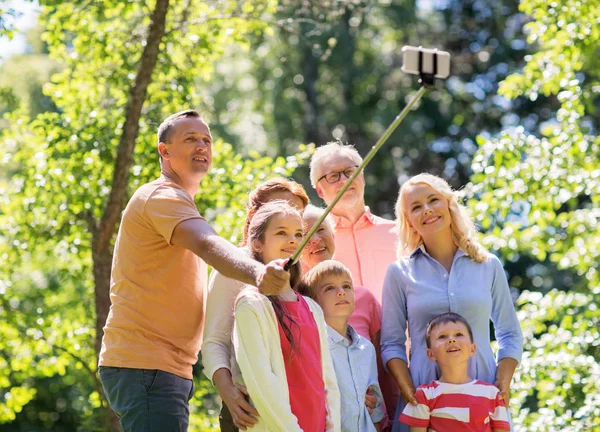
148,400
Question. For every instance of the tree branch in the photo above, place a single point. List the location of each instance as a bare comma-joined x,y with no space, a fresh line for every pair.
89,218
93,374
133,110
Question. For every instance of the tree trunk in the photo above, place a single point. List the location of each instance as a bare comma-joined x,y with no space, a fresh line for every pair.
102,266
348,46
104,232
310,71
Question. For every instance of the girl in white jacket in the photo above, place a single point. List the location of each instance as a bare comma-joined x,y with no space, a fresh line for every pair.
281,341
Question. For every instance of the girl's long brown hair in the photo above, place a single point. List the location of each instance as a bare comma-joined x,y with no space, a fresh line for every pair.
256,233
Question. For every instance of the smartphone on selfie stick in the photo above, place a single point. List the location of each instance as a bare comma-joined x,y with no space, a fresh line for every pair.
429,64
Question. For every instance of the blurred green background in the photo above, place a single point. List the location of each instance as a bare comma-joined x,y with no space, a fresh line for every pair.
515,128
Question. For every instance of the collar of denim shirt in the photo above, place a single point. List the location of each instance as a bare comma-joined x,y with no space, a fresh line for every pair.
421,250
341,340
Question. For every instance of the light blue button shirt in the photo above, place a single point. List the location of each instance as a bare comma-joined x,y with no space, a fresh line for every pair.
418,288
355,367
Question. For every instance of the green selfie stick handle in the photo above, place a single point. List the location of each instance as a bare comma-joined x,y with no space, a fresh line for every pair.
391,128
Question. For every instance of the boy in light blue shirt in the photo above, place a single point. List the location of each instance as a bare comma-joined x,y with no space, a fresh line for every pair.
330,284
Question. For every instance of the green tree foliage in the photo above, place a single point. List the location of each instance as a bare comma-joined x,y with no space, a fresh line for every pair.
337,74
63,167
21,81
23,76
539,195
7,17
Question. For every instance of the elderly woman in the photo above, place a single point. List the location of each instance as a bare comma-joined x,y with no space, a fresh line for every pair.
366,318
442,268
217,349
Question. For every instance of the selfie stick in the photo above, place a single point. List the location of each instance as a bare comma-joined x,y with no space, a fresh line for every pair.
427,80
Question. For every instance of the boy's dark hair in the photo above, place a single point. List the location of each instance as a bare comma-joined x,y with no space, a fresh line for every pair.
443,319
165,130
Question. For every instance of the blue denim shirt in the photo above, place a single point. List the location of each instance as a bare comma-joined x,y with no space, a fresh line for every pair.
355,367
418,288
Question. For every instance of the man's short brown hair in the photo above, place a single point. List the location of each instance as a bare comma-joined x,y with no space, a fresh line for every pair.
165,130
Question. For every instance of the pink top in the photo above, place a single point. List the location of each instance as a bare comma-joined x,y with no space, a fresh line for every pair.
366,318
367,248
303,367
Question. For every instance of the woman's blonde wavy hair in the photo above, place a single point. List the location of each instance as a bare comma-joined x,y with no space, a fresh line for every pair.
463,229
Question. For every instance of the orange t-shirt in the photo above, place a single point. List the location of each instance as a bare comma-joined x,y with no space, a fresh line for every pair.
157,290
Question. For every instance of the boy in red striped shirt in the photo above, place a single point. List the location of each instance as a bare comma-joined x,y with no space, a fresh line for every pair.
455,402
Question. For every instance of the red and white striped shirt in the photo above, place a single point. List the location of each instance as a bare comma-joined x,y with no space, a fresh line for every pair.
475,406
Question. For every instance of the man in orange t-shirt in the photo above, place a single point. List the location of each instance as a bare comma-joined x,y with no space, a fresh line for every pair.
153,331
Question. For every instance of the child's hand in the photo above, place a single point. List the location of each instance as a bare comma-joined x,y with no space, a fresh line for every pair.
408,394
370,400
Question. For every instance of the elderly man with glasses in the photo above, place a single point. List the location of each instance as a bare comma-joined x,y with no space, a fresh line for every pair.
365,243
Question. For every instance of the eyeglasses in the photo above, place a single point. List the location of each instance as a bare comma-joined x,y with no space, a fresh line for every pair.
334,177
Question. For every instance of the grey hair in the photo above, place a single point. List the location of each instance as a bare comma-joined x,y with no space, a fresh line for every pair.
326,151
317,212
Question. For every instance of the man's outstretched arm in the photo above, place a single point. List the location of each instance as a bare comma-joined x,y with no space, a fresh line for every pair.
199,237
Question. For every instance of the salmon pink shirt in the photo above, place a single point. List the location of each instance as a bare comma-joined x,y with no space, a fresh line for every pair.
366,318
367,248
303,367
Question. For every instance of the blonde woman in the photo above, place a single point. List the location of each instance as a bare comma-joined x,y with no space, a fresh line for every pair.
442,268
